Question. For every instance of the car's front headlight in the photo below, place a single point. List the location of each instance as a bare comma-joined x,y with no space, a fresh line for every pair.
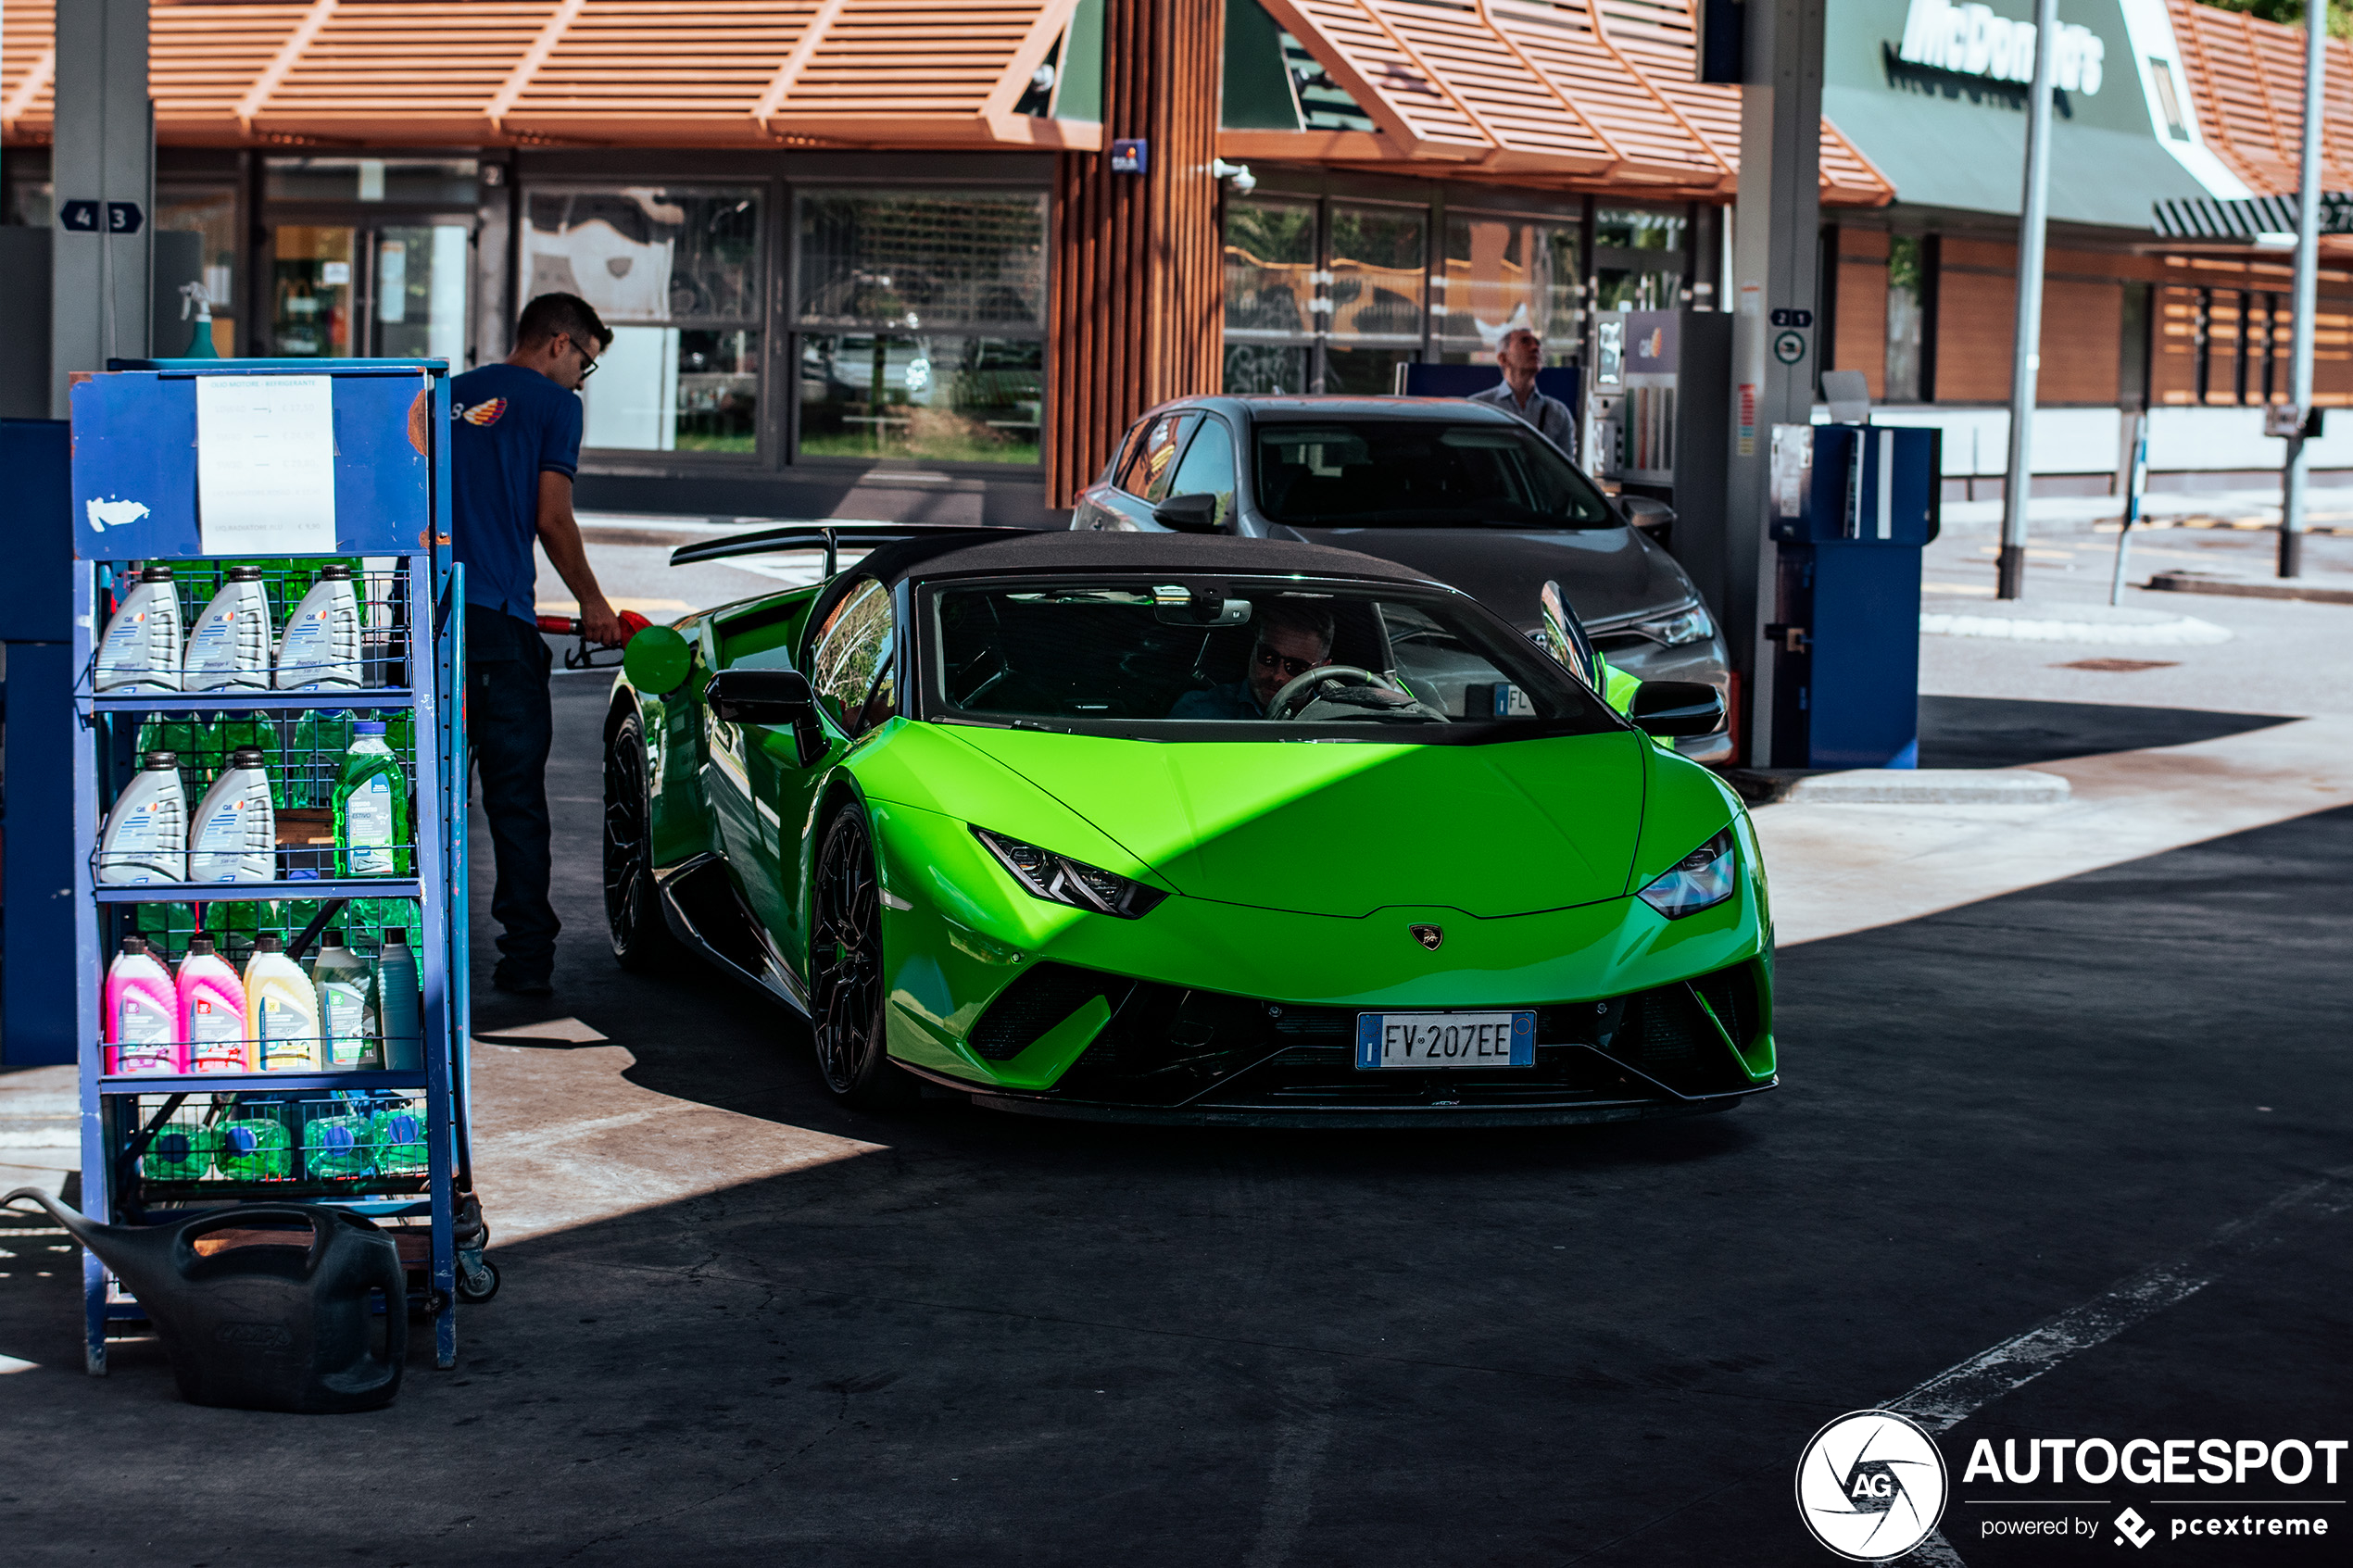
1701,880
1689,624
1058,879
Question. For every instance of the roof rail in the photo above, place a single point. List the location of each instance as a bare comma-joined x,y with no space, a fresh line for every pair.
829,537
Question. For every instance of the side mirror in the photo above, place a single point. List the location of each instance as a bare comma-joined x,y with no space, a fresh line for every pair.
1652,516
1677,708
656,660
760,697
1563,637
1196,513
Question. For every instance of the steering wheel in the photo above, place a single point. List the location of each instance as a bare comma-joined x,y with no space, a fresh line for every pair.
1301,690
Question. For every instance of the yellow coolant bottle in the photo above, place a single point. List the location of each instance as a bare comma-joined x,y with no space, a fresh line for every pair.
281,1010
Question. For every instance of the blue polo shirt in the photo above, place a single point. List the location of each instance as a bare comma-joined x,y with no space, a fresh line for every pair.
510,425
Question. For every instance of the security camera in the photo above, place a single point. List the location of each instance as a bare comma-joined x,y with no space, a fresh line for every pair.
1243,180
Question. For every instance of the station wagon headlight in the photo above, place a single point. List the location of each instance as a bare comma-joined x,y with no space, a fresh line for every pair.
1690,624
1058,879
1701,880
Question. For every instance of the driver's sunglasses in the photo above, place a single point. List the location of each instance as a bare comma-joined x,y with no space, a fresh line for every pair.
1294,668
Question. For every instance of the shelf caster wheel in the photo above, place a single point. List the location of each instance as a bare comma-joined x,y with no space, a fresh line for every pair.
475,1285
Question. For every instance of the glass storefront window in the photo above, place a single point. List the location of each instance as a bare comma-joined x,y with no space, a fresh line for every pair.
312,291
430,182
420,292
1376,273
1907,294
676,272
935,396
1634,228
1267,368
1503,273
922,259
1270,267
1625,276
209,210
674,389
923,316
1365,372
647,253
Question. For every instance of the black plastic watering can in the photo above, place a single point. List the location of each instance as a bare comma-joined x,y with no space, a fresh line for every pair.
264,1327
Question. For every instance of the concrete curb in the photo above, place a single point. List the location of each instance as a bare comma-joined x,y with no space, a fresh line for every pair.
1903,787
2183,631
2252,589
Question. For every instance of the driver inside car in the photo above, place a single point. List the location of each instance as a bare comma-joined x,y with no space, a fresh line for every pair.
1294,637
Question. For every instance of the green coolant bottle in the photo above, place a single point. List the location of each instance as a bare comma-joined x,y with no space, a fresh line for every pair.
255,1148
371,808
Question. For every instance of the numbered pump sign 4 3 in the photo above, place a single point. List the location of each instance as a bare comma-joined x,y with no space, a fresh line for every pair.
83,216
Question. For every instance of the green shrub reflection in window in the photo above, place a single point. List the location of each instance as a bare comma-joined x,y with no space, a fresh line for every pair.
934,396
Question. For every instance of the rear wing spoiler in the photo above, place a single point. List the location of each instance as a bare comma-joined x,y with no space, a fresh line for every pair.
830,538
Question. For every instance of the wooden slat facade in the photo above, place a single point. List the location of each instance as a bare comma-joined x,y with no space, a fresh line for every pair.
1136,311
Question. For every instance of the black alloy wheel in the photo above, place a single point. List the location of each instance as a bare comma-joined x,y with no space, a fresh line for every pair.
845,971
641,939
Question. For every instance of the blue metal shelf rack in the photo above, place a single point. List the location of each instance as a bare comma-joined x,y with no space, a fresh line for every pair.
134,434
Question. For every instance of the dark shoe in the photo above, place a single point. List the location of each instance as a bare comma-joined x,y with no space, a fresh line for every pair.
517,983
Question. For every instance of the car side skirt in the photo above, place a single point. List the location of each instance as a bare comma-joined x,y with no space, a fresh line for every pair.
698,904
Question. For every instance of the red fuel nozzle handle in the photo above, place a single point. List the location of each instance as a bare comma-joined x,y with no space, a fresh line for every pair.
569,625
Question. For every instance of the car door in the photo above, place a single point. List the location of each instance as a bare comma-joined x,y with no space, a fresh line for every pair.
739,760
853,668
1145,472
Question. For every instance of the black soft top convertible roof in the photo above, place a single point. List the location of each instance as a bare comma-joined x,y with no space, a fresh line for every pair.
1085,550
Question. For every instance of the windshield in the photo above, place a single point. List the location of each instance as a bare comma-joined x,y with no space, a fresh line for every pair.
1420,473
1264,660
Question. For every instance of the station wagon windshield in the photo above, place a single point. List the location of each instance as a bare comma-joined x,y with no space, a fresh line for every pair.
1271,659
1420,473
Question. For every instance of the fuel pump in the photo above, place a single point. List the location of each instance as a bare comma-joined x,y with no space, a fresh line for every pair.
1853,506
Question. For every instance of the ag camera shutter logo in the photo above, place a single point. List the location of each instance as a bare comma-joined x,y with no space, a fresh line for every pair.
1871,1485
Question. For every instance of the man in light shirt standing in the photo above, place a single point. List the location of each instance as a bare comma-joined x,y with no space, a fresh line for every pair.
1521,354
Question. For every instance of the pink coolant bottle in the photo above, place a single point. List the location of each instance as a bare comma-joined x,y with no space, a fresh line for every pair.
212,1011
143,1014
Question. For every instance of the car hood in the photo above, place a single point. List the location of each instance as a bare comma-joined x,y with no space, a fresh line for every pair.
1605,574
1507,828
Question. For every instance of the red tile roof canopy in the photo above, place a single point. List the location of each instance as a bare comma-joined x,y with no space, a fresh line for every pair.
1584,93
639,73
2246,83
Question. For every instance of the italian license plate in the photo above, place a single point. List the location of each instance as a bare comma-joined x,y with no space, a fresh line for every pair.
1445,1039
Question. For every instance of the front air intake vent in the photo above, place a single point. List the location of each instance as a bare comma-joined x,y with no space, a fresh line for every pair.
1041,997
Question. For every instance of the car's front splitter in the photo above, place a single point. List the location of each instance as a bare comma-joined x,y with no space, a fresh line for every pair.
1431,1116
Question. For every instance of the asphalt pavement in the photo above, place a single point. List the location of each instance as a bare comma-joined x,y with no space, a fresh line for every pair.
999,1340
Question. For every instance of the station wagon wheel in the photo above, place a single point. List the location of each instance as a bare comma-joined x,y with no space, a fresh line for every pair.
641,939
845,971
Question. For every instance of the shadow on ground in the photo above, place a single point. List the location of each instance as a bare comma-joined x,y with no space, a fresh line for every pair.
1004,1341
1993,732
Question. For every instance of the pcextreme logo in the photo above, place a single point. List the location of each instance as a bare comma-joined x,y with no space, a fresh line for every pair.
1871,1485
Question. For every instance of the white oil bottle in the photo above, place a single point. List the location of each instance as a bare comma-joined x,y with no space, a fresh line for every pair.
346,1017
141,648
231,644
145,838
320,648
234,836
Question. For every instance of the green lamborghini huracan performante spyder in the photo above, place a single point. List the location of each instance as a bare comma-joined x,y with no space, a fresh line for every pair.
1182,828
